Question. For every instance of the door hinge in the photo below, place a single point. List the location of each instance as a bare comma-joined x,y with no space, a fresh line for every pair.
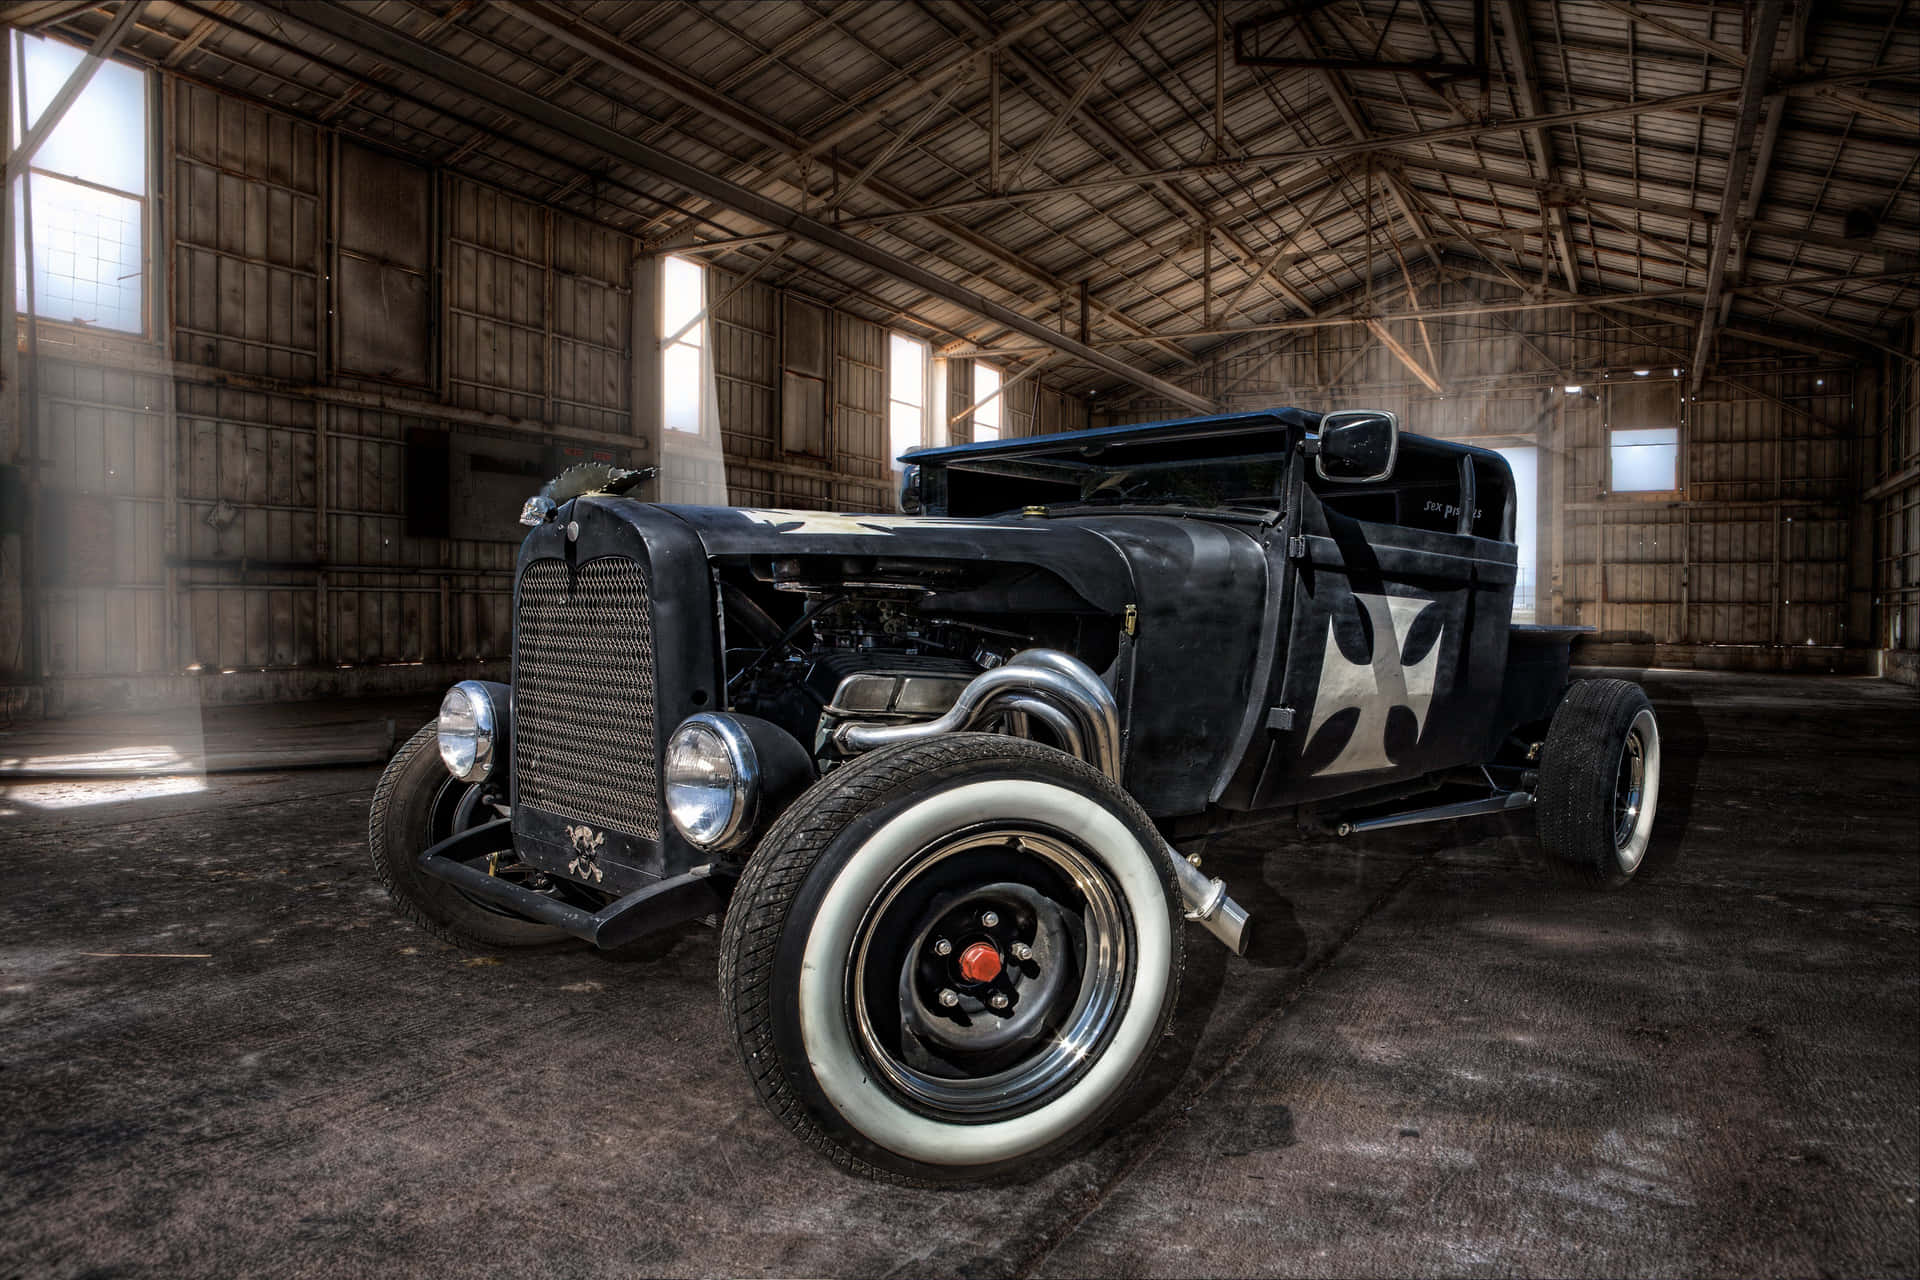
1280,718
1131,619
1297,547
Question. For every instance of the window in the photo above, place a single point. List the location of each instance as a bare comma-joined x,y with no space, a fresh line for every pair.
684,327
1644,460
986,402
906,395
1525,462
88,190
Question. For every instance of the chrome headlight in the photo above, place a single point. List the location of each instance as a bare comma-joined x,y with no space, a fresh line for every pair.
469,729
712,780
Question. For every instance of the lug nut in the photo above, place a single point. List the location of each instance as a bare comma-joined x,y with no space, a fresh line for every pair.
1021,951
949,997
990,919
943,948
997,1000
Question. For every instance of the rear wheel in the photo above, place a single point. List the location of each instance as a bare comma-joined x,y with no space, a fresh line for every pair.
1600,781
951,959
416,806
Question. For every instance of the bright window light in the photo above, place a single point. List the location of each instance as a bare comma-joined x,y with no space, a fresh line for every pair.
987,402
1644,460
89,192
77,794
1525,462
906,396
682,300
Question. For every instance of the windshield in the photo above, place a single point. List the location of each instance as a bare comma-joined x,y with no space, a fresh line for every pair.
989,486
1254,482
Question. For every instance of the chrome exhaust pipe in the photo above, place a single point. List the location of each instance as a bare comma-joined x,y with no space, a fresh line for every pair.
1208,904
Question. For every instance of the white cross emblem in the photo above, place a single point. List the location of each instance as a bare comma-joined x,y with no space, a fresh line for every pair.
1376,687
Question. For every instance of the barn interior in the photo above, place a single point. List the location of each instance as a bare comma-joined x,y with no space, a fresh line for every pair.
310,297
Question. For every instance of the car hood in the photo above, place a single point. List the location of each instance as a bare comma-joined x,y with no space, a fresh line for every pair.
1080,556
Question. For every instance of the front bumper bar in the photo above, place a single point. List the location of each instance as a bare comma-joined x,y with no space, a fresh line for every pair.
700,892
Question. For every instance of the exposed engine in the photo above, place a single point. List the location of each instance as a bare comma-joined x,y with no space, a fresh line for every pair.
875,643
865,656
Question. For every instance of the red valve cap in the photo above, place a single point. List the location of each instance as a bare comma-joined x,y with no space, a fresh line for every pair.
980,963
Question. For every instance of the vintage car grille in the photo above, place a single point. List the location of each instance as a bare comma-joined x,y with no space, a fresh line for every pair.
583,696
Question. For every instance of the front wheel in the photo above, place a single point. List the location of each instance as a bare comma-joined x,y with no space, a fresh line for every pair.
417,805
951,959
1600,781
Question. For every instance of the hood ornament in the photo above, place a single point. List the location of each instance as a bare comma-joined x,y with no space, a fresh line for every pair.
581,478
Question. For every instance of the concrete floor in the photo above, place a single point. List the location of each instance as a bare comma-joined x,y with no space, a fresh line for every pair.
1442,1060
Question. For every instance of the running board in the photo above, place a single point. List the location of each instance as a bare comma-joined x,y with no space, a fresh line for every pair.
1440,813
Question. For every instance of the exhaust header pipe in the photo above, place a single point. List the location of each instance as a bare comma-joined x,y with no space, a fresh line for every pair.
1055,688
1069,698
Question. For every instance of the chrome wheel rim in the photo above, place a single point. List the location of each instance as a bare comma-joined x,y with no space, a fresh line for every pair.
1635,786
1629,780
972,1061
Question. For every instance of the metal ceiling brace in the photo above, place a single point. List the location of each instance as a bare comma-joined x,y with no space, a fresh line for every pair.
1513,20
1038,75
1753,87
793,149
393,47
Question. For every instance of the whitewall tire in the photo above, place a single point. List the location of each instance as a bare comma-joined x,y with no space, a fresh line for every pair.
1599,786
952,959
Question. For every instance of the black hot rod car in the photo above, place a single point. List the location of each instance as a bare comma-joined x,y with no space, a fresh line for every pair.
933,768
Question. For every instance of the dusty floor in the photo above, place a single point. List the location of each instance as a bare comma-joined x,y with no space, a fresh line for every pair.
1441,1061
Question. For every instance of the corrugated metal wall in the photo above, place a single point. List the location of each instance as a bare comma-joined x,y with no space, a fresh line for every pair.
1754,549
229,501
854,473
104,516
247,227
538,311
242,507
293,549
1896,570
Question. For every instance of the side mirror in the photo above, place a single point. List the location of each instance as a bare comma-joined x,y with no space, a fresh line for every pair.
1357,446
910,490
